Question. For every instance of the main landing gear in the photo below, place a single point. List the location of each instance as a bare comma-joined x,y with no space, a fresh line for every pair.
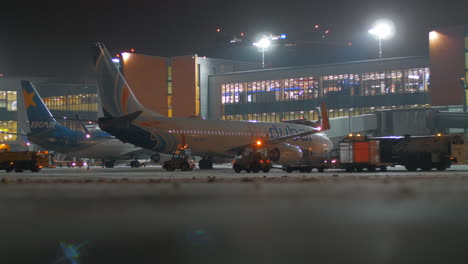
135,164
108,163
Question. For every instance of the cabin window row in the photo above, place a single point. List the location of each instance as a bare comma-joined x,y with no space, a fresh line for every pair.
218,133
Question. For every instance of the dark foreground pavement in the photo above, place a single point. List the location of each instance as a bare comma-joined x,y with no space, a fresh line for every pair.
252,220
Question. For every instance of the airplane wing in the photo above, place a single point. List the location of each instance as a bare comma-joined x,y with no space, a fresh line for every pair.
10,133
85,129
278,139
140,154
76,119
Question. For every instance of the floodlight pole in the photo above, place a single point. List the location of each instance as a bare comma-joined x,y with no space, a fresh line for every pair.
380,47
263,57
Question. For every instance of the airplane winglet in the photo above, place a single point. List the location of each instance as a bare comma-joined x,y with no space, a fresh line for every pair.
83,127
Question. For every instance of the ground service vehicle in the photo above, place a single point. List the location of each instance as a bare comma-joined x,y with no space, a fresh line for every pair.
23,160
309,162
359,152
253,160
181,159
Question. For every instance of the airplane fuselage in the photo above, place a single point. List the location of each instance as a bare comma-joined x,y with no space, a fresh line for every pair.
212,137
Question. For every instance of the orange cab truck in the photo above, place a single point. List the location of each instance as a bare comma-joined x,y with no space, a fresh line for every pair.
22,160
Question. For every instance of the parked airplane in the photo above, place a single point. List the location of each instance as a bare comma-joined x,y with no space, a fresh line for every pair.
49,134
129,121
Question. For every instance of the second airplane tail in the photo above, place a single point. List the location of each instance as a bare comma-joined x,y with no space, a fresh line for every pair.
39,116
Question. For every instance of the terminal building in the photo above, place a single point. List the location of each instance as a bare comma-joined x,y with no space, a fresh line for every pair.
222,89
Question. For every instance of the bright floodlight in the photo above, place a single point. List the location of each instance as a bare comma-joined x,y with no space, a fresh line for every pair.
433,35
263,43
382,30
125,55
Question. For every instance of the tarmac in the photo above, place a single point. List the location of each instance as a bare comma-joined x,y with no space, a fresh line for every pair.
148,215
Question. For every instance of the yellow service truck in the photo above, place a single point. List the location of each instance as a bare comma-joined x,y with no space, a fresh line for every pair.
23,160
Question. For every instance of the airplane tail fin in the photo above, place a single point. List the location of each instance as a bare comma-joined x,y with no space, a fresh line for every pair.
40,118
325,121
116,96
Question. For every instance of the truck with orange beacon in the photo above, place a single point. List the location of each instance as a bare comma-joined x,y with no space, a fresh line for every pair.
22,160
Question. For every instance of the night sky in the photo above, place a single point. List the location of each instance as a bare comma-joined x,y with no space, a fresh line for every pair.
52,40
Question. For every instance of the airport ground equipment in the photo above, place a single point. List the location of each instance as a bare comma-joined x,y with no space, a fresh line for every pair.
253,160
359,152
309,162
181,159
23,160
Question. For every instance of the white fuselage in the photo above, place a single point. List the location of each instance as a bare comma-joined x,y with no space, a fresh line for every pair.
112,149
219,137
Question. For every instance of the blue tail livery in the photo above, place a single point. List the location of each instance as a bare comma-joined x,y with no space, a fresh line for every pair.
51,135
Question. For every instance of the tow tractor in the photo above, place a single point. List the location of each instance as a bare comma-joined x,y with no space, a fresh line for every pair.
181,159
254,159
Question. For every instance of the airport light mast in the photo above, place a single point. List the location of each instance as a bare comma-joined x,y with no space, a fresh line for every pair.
263,43
382,30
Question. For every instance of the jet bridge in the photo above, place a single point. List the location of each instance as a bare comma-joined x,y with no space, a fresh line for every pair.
387,123
446,119
342,126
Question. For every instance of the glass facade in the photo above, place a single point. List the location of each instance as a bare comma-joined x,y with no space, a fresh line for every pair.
8,100
8,103
313,114
367,84
73,103
466,54
169,91
69,100
8,126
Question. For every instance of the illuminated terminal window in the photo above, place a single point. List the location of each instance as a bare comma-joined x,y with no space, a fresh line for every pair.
466,57
305,88
8,100
313,114
10,127
74,103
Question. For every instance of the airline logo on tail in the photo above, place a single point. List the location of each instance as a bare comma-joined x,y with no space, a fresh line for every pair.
42,124
29,99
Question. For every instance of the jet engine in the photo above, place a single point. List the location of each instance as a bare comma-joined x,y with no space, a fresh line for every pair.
284,153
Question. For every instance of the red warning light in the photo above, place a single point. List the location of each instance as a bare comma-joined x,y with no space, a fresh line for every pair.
317,26
350,44
218,30
327,31
132,50
242,34
117,55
